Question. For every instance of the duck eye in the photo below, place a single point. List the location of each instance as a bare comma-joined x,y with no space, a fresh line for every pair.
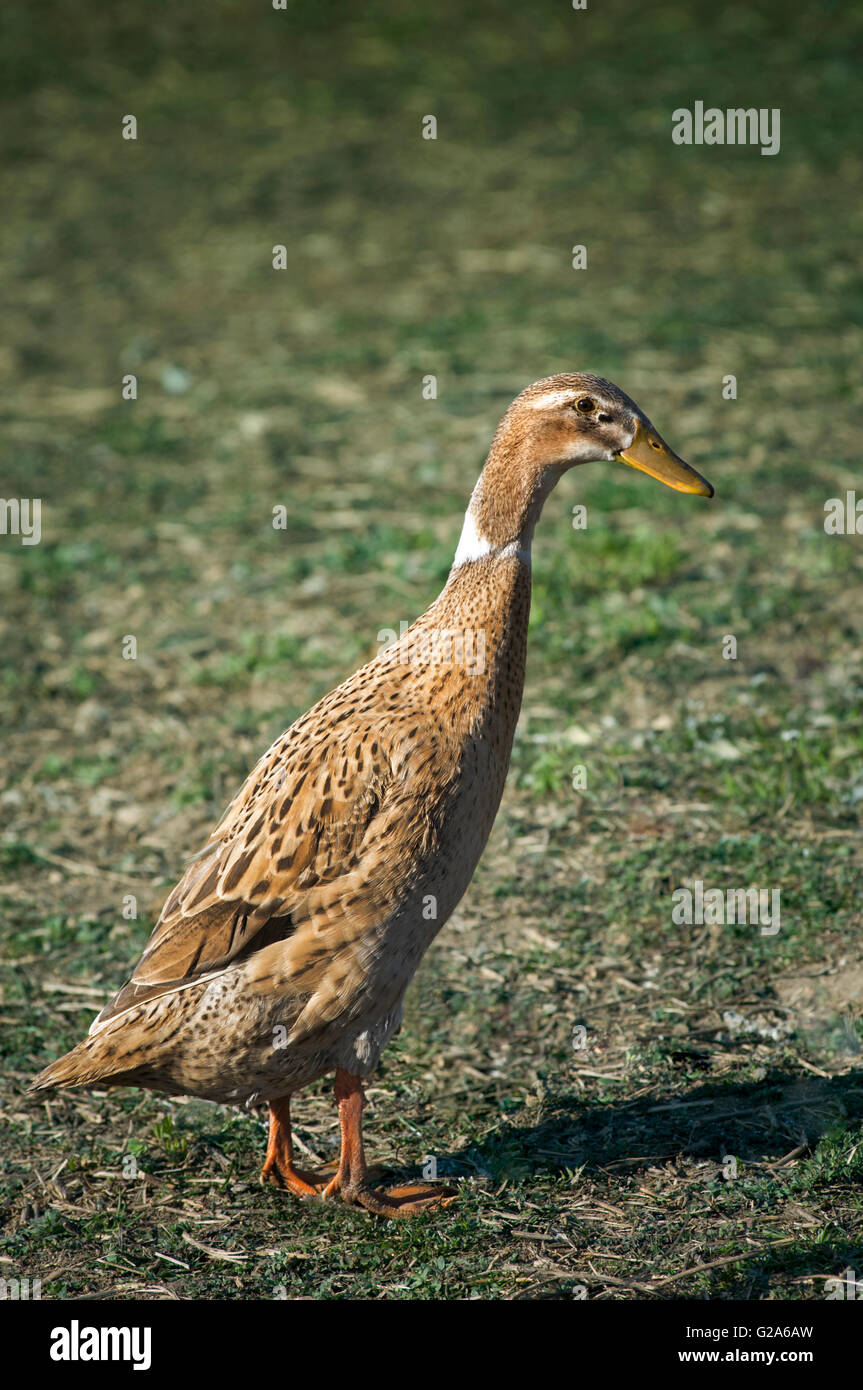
585,405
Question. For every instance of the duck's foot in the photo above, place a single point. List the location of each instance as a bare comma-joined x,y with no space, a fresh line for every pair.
353,1180
297,1180
279,1162
406,1199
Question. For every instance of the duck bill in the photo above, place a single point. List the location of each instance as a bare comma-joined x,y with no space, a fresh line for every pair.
649,453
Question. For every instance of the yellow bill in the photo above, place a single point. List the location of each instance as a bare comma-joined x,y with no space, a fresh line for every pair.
649,452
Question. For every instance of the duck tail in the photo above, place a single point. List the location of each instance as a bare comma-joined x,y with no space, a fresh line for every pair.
86,1064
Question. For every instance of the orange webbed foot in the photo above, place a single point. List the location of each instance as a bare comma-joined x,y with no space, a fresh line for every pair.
279,1163
403,1200
297,1180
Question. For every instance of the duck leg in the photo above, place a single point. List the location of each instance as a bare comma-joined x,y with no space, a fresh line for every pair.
352,1179
279,1162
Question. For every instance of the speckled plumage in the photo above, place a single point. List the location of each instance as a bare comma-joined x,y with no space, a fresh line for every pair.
286,948
308,909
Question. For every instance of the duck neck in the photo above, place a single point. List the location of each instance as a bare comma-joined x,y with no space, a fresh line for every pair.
505,506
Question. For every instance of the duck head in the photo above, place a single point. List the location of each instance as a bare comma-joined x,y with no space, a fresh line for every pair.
580,418
552,426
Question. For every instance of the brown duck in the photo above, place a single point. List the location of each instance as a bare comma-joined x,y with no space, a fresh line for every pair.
285,950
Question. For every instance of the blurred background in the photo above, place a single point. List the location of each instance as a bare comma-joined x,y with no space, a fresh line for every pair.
257,388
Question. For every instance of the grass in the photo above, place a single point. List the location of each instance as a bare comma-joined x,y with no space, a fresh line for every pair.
599,1170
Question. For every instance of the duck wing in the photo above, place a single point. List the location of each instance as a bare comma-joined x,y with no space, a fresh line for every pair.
284,859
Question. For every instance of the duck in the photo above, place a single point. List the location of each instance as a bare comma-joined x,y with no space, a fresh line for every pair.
283,954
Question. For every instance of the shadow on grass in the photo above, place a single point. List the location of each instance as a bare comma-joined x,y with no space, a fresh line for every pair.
758,1123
